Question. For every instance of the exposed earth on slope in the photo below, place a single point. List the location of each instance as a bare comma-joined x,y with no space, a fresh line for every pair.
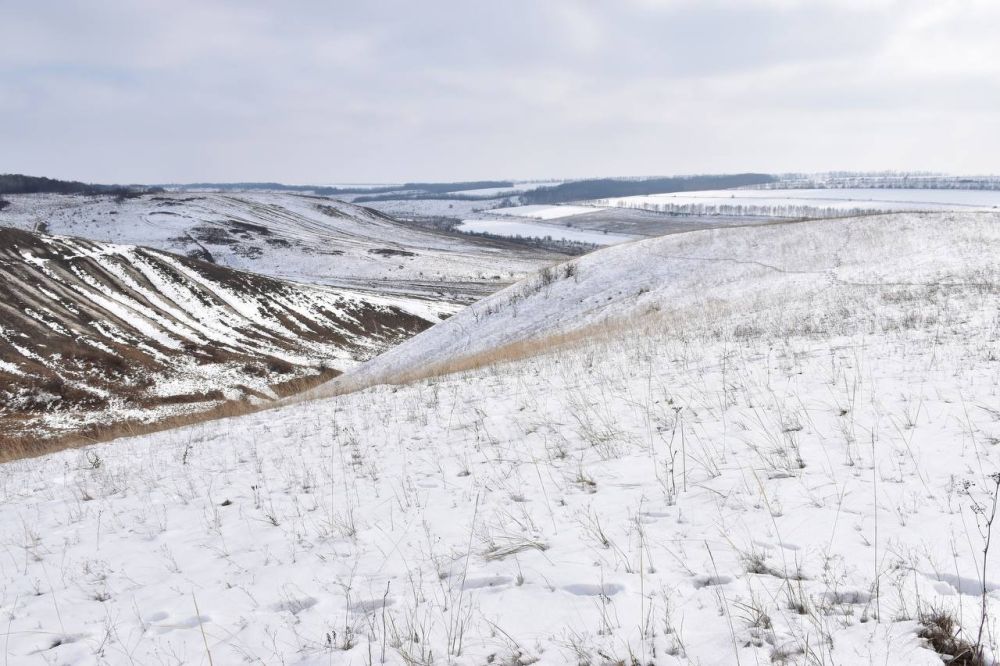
300,237
94,335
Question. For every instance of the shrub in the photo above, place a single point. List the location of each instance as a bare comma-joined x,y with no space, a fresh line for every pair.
943,632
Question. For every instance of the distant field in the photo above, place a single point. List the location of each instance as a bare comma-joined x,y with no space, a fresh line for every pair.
512,228
809,202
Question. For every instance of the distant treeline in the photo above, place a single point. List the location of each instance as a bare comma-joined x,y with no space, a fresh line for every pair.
603,188
411,190
578,190
884,180
451,195
15,183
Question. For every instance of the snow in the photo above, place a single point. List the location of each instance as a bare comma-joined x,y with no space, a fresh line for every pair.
10,368
69,294
758,453
811,202
537,230
545,212
695,274
516,187
303,238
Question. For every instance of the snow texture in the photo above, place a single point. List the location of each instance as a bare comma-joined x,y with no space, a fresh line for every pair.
769,448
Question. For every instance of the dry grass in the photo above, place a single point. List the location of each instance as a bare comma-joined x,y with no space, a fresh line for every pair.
942,631
509,353
16,448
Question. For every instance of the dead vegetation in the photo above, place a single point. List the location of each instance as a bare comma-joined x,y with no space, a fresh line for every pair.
99,341
23,446
944,634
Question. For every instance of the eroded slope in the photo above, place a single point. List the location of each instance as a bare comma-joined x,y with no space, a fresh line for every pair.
99,334
311,239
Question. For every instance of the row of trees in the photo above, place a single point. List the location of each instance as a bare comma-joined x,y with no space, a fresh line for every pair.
582,190
16,183
791,211
380,193
886,180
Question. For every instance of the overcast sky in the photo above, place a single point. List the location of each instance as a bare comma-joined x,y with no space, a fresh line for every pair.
328,91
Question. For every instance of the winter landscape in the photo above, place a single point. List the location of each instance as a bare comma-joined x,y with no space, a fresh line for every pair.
335,350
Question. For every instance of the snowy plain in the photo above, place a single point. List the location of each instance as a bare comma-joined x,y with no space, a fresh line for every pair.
811,202
763,445
544,211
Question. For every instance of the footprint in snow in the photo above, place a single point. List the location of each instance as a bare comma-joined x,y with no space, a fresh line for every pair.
294,606
586,590
187,623
708,581
370,605
63,639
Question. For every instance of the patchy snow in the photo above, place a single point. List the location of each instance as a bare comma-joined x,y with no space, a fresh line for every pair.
539,230
114,320
304,238
11,368
769,447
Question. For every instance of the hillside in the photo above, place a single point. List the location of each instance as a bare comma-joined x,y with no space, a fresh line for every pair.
298,237
707,279
95,335
759,445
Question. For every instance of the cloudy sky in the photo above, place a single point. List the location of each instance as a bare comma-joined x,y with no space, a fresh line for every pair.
328,91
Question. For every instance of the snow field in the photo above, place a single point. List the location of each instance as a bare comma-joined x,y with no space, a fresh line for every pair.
831,202
775,468
544,211
700,501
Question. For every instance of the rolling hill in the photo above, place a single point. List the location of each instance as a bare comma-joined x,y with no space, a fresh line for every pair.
758,445
709,279
98,336
290,236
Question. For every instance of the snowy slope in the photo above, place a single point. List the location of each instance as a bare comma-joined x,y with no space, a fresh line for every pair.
778,458
96,333
299,237
699,279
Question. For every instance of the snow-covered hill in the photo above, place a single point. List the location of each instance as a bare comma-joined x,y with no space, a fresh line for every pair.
97,335
290,236
745,446
794,274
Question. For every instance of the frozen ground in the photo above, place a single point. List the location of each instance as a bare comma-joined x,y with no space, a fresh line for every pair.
810,202
291,236
744,446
